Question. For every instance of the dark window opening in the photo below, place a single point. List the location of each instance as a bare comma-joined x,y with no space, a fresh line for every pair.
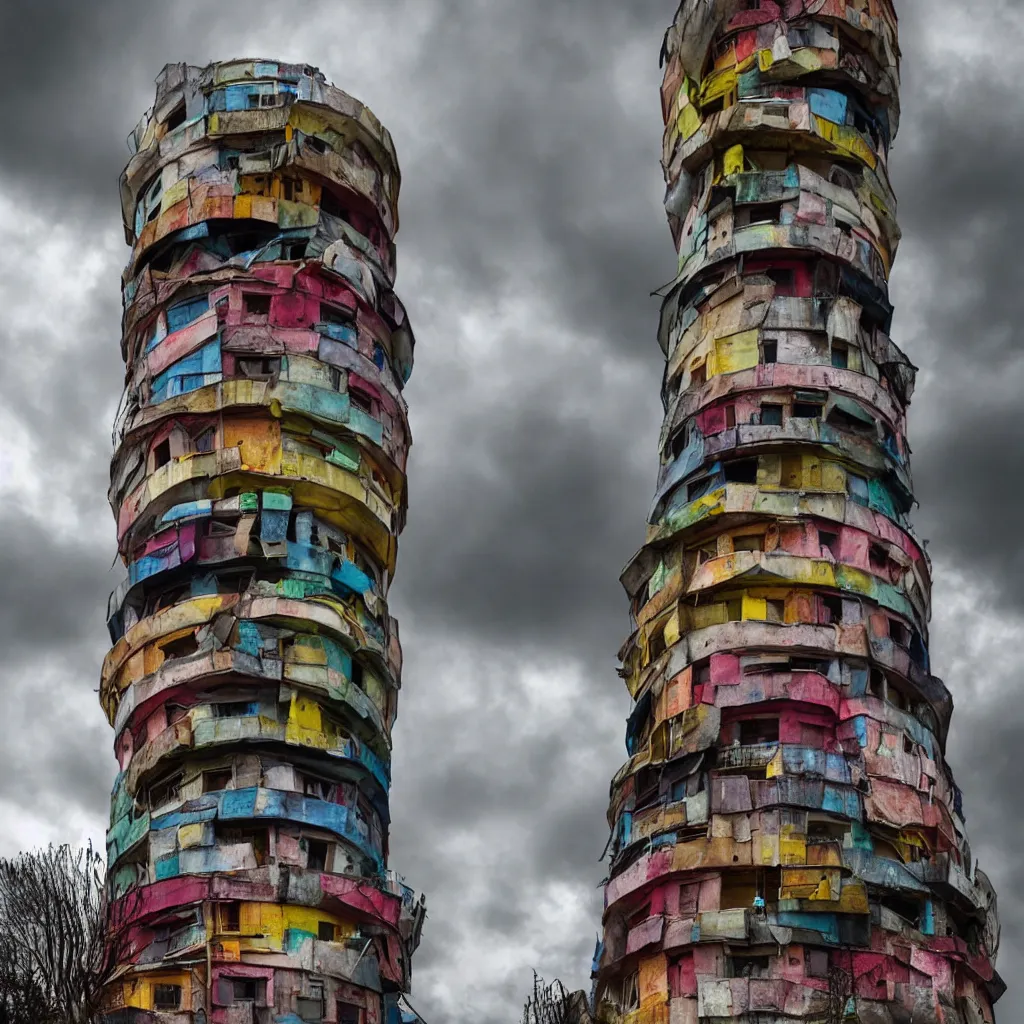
357,675
231,917
771,415
167,997
809,665
706,552
259,369
290,188
216,782
749,966
775,611
235,709
176,117
337,315
330,204
162,453
759,730
294,250
734,610
325,931
878,558
183,647
315,144
730,416
760,213
807,410
749,542
742,471
908,748
829,542
316,855
831,610
785,281
699,376
361,401
876,684
248,990
256,305
349,1013
175,713
656,645
908,910
899,633
699,488
680,439
164,792
840,357
769,352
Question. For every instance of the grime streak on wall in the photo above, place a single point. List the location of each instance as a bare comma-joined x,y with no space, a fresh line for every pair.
787,840
259,489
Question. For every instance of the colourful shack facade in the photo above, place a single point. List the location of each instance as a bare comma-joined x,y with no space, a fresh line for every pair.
788,843
259,488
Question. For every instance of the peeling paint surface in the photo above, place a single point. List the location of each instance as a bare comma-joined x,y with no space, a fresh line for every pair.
258,486
787,841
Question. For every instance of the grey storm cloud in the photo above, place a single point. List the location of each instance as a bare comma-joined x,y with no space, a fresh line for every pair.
532,236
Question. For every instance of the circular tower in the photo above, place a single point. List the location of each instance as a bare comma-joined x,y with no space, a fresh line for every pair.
787,842
259,488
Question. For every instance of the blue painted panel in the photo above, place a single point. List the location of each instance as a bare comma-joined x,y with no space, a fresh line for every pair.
185,313
825,924
349,575
829,104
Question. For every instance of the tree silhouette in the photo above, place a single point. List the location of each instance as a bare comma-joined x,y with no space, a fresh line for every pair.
54,952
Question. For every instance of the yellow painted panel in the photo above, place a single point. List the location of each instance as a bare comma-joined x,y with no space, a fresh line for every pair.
653,980
259,441
189,836
736,352
672,629
733,161
755,608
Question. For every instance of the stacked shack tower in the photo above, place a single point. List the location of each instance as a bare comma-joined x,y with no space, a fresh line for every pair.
788,842
259,489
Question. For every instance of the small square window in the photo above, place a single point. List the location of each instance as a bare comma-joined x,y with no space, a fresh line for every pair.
176,117
742,471
817,963
769,352
162,454
248,990
771,415
807,410
349,1013
166,997
325,931
360,401
840,357
257,305
316,855
216,782
230,917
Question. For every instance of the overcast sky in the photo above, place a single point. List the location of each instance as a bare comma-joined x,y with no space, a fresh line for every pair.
532,233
